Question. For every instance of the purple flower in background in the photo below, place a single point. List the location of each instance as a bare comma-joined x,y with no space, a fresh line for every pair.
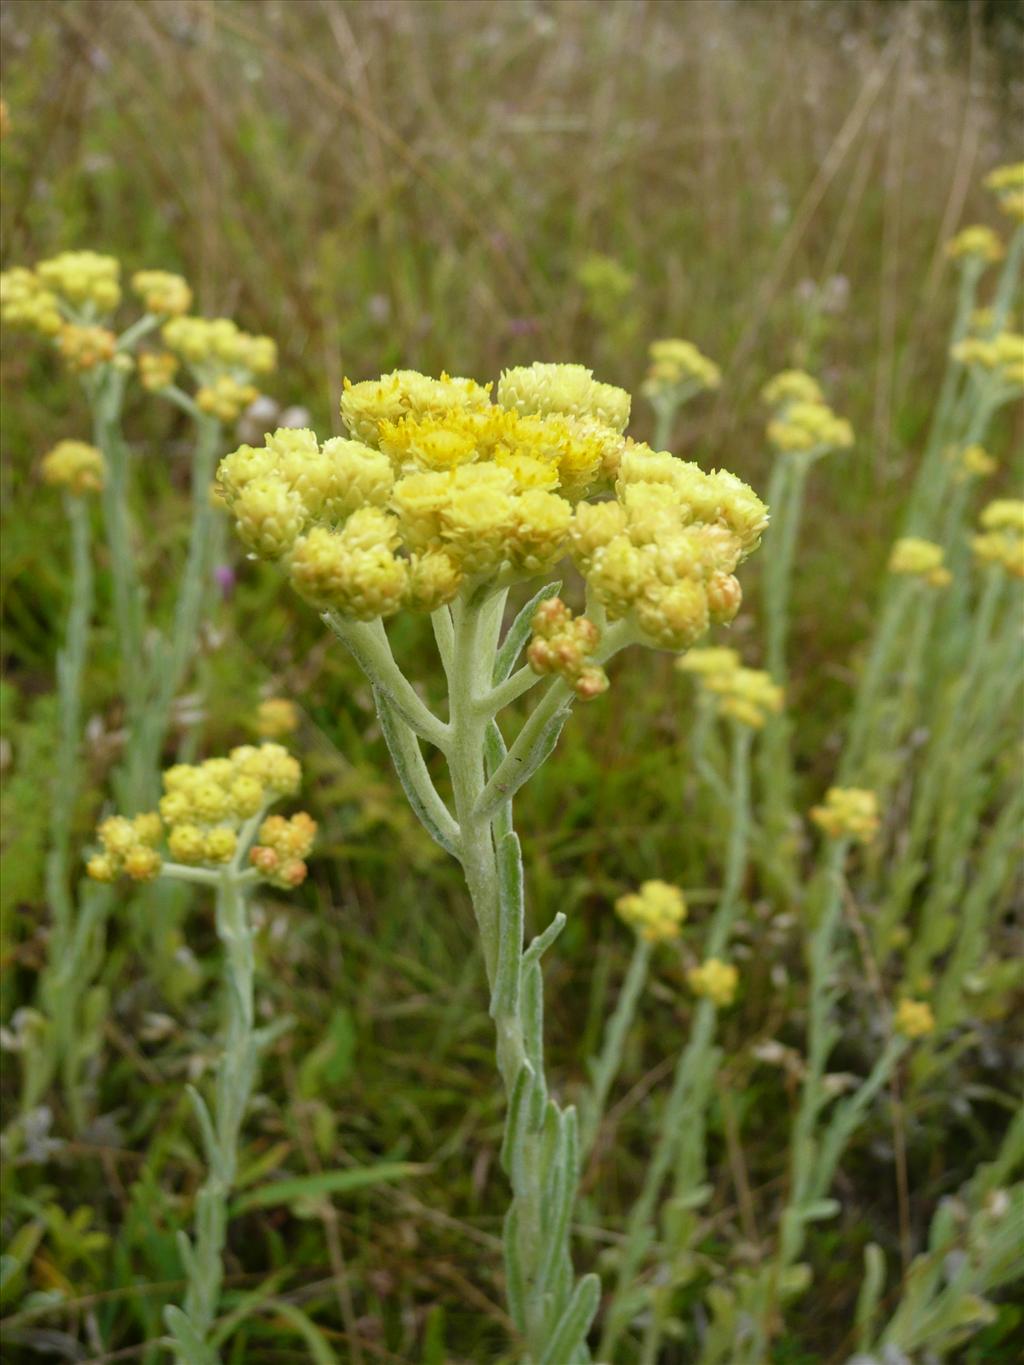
224,575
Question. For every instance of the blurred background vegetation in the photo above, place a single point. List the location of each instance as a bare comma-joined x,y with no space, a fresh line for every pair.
454,184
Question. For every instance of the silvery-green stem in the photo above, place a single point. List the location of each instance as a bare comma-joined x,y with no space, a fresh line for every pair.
202,1255
60,984
692,1064
188,611
605,1066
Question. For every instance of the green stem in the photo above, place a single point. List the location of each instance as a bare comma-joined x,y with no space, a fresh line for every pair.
605,1067
188,611
692,1061
236,1076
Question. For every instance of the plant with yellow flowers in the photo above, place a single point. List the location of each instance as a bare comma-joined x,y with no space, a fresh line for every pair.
212,829
439,500
678,371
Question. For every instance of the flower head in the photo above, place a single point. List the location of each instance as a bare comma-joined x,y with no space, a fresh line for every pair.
26,303
915,558
203,811
677,366
276,717
564,644
974,461
976,244
1007,182
656,912
848,813
437,486
74,465
716,980
162,293
1001,541
914,1018
83,278
85,347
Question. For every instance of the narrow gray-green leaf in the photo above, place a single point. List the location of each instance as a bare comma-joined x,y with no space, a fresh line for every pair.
327,1182
519,632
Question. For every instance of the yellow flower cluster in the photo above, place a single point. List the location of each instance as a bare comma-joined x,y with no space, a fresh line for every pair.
438,485
162,292
977,243
83,347
709,660
803,427
276,717
74,465
157,370
677,364
83,277
914,1018
203,807
746,695
219,341
282,848
920,559
792,386
974,461
848,813
129,848
716,980
225,397
656,912
1001,540
1008,184
563,644
1002,354
24,302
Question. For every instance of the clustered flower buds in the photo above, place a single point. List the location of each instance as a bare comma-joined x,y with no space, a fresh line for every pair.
162,293
24,302
916,558
437,485
219,341
281,848
1008,184
802,422
676,366
974,461
276,717
848,813
1001,540
74,465
716,980
129,848
976,244
84,347
226,397
83,278
656,912
564,644
1001,355
203,811
746,695
914,1018
157,370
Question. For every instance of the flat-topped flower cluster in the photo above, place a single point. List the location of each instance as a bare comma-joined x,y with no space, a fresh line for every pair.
207,815
437,487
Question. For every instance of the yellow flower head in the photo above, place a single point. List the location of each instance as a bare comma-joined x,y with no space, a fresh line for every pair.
213,343
74,465
916,558
83,277
678,365
436,486
204,809
977,244
745,695
792,386
162,293
84,348
1001,542
1008,184
1004,514
25,303
802,427
974,462
157,370
564,644
848,813
656,912
225,397
914,1018
276,717
1001,355
712,659
716,980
